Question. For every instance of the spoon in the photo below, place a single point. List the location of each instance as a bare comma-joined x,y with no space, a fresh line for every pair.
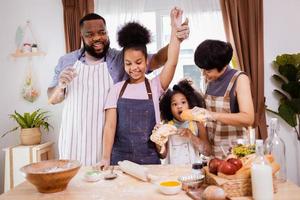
111,175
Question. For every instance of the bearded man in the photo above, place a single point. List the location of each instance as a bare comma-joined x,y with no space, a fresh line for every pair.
82,80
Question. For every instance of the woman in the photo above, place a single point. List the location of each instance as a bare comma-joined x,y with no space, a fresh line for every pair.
228,96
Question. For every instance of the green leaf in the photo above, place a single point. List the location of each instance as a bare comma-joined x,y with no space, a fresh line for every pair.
287,113
27,119
293,88
279,79
289,71
19,120
283,97
272,111
295,104
14,129
284,59
32,116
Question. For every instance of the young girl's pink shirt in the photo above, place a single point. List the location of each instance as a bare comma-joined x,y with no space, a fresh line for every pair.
136,91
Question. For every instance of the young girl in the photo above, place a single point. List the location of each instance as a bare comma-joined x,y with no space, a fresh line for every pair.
183,148
132,106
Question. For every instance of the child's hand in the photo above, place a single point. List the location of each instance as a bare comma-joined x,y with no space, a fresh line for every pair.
182,29
185,132
156,127
102,165
176,17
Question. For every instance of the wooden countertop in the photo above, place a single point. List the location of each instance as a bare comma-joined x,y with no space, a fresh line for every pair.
124,187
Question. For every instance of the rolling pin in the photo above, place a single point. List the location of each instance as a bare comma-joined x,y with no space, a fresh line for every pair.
136,170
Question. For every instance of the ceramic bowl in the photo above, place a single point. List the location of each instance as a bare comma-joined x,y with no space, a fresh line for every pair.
191,182
92,176
170,187
52,175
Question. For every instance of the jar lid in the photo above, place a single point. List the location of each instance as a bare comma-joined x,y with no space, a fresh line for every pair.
197,165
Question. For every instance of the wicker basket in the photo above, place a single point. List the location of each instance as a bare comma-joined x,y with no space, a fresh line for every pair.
233,187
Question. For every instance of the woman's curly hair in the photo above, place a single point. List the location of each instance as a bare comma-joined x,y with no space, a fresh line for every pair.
134,36
184,87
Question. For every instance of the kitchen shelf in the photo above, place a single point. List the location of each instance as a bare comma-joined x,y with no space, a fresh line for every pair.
18,156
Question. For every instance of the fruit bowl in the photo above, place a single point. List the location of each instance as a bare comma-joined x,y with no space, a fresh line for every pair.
52,175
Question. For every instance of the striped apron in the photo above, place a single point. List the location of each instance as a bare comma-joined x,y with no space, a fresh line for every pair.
222,135
83,114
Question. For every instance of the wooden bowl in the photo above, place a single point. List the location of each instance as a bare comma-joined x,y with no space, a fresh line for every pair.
52,175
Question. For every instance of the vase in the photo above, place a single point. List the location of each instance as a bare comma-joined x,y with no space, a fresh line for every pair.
30,136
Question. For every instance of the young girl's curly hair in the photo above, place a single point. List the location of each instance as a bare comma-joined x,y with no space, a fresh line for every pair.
134,36
184,87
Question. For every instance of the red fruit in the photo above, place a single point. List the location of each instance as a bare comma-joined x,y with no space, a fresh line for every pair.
227,168
214,164
237,162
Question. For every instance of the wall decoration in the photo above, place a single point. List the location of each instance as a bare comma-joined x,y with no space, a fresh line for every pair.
30,89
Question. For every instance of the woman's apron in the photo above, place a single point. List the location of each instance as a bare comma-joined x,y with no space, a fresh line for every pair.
222,135
136,119
83,114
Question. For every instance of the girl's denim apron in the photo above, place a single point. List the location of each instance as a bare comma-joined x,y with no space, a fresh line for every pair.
136,119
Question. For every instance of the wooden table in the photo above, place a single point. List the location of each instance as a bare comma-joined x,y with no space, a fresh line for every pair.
124,187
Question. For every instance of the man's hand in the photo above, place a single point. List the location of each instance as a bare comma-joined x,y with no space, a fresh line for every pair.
183,31
66,76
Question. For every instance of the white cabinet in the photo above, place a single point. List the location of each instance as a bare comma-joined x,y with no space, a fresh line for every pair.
19,156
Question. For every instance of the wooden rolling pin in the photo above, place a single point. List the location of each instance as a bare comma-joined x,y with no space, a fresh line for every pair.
136,170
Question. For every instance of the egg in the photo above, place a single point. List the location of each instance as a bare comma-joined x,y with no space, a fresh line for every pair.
213,192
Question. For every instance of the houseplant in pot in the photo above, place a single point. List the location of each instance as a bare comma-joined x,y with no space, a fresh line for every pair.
287,80
30,124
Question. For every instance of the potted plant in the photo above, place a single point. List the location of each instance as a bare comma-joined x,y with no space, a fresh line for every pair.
30,124
288,82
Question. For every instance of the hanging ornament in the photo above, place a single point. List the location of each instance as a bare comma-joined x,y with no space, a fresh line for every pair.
30,90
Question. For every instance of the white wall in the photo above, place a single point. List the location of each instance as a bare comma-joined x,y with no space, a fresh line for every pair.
281,35
47,23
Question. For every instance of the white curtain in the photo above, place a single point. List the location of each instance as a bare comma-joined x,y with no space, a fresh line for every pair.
117,13
205,20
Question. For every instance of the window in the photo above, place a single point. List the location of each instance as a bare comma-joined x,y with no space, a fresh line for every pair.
205,21
186,68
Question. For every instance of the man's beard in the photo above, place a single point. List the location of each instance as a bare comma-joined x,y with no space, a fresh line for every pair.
92,51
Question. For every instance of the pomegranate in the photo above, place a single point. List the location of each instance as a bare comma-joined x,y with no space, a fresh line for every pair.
214,164
227,168
237,162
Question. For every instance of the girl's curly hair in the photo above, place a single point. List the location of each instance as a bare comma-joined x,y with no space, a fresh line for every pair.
134,36
184,87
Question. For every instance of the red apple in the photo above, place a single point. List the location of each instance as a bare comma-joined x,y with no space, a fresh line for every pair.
237,162
214,164
227,168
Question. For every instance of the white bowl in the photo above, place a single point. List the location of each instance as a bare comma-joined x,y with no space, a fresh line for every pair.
170,187
92,176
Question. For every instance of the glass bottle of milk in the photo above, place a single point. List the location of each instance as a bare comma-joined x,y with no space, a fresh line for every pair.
261,175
